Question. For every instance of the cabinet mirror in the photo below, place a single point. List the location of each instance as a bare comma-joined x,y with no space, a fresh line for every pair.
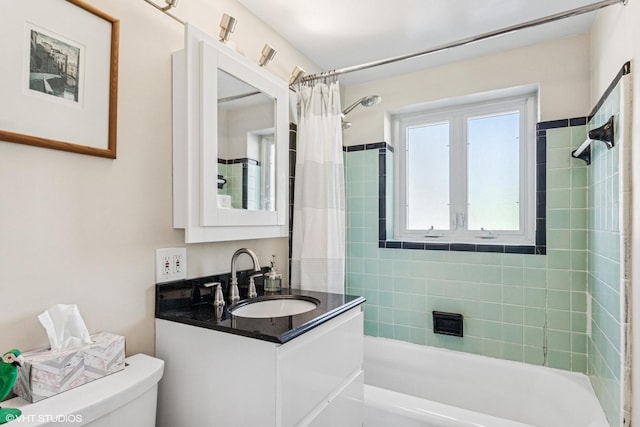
231,134
246,146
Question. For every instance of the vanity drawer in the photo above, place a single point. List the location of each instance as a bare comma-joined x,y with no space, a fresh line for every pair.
313,368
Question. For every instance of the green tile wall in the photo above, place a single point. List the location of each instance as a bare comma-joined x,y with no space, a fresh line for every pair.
222,170
605,347
234,184
233,174
529,308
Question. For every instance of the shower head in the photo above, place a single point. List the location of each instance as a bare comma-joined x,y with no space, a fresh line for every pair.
370,100
365,101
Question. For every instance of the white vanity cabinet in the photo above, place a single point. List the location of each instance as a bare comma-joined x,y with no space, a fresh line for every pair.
214,378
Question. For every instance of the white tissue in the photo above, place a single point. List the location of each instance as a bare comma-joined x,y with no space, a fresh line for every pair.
65,327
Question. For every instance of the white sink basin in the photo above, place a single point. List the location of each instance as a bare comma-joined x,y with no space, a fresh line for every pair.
274,307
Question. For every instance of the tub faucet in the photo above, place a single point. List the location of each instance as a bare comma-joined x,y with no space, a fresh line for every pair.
234,294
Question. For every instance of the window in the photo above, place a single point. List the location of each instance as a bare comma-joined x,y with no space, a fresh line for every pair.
268,172
467,174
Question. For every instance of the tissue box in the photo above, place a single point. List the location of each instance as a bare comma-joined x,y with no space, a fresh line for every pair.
46,373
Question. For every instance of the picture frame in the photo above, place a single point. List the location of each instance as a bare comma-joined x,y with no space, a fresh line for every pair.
59,69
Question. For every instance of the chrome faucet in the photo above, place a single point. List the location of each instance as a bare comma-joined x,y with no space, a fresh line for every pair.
234,294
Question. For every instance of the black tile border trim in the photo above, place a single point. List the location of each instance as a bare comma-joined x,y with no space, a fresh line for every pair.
372,146
553,124
245,186
539,248
626,69
244,161
293,144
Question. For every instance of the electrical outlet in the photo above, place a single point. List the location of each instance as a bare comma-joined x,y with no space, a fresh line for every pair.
166,265
171,264
178,263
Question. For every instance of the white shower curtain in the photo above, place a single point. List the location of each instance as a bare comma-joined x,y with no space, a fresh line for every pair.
318,247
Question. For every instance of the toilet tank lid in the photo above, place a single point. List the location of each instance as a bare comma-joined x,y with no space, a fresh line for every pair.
97,398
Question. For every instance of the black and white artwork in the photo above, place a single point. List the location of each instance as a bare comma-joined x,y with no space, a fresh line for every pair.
54,66
59,68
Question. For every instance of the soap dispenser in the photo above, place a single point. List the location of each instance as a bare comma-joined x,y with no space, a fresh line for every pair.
273,281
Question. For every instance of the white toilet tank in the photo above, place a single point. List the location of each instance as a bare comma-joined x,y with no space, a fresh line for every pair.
126,398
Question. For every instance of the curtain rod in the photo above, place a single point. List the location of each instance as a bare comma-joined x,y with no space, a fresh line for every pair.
529,24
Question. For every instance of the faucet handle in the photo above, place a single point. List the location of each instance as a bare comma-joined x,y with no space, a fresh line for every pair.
216,297
252,284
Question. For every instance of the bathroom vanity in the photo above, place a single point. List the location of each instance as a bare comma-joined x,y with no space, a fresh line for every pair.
302,369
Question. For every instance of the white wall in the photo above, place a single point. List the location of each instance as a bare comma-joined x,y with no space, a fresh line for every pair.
615,39
81,229
242,121
561,68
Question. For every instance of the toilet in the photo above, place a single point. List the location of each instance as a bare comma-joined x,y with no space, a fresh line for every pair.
125,398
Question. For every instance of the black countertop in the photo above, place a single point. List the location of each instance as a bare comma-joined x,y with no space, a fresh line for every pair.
189,302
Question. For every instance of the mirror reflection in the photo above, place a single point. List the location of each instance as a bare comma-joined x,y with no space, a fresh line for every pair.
246,146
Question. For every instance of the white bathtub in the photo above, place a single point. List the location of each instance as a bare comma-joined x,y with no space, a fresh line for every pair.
409,385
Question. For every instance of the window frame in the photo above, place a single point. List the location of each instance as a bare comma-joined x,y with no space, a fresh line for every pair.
457,113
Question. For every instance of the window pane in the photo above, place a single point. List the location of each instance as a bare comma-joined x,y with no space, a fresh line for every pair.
494,172
428,177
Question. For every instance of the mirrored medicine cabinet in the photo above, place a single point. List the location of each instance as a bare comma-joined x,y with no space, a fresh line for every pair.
230,144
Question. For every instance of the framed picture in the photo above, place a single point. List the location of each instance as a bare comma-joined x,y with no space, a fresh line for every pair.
59,76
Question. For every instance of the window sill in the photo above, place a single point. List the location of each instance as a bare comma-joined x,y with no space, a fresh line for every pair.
464,247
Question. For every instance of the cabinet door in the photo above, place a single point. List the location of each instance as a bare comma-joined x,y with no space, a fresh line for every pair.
230,144
214,378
